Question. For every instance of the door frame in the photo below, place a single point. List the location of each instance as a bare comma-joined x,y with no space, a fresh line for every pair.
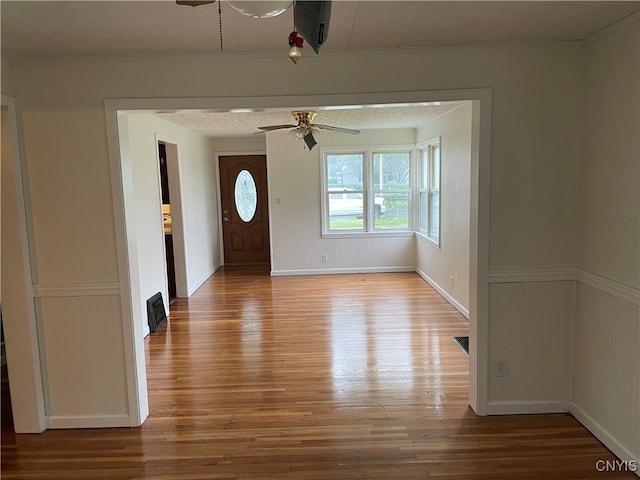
28,395
219,193
120,165
177,228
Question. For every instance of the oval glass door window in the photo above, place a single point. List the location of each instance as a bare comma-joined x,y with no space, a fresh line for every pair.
246,196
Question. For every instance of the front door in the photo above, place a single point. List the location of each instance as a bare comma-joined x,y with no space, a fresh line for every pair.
245,209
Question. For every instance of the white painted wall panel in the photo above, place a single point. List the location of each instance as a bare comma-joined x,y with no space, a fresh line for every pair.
531,328
82,338
451,259
606,384
70,196
610,170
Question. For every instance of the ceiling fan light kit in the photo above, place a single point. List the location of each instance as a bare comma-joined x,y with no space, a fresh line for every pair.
262,8
305,130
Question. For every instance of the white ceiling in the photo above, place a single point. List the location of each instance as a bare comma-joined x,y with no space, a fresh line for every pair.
32,31
359,117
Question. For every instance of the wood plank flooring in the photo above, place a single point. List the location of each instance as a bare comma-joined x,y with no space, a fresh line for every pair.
316,377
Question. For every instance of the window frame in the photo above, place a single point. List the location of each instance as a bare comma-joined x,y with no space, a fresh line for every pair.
368,191
427,186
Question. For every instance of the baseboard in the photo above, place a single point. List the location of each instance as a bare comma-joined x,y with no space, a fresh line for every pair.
205,277
338,271
604,436
87,421
526,407
457,305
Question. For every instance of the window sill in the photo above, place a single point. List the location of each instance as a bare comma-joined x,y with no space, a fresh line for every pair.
395,233
426,239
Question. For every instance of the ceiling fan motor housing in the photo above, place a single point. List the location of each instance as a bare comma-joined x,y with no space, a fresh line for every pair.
304,118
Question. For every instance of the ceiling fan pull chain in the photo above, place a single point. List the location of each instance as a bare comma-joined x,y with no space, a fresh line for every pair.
220,23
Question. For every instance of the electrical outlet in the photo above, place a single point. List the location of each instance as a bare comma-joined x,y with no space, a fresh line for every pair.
500,368
324,257
278,201
451,280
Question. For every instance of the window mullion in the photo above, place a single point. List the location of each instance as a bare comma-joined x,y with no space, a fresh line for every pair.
368,194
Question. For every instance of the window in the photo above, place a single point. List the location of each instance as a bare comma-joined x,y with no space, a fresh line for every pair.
429,191
345,191
391,190
366,191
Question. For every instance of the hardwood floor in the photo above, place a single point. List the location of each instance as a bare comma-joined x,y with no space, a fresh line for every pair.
318,377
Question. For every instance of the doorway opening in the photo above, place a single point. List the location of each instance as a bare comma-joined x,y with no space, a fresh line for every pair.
167,222
117,111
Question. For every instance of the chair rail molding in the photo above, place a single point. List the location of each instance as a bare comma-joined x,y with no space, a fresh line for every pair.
76,290
562,274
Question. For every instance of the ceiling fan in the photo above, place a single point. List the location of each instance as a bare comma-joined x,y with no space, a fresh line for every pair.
305,128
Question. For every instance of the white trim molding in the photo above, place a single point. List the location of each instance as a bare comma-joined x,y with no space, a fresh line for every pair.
613,288
603,435
560,274
337,271
527,407
203,279
87,421
564,274
457,305
77,290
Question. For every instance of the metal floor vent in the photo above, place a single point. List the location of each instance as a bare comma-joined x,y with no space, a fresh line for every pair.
156,313
463,343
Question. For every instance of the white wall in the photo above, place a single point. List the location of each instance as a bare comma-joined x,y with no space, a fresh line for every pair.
148,212
451,258
606,384
194,210
296,225
536,116
255,143
199,187
5,79
528,318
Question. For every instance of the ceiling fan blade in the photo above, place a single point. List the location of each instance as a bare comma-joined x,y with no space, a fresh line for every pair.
276,127
194,3
310,140
337,129
312,21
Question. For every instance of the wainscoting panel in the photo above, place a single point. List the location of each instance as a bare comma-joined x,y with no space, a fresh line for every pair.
77,334
606,382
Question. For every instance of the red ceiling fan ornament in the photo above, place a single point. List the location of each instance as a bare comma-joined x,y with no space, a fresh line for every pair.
295,47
